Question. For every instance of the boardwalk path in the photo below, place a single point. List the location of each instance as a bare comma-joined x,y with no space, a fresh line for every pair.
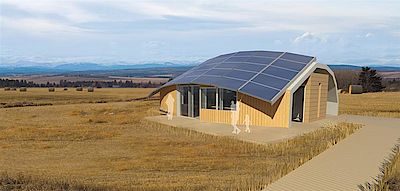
353,161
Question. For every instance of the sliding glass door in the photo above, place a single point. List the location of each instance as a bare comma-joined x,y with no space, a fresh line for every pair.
189,100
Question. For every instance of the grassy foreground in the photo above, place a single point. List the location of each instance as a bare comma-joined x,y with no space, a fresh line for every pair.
381,104
110,146
389,179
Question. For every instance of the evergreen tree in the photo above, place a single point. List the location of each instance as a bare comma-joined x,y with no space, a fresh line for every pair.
370,80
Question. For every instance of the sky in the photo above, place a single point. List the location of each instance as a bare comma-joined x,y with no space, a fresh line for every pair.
57,31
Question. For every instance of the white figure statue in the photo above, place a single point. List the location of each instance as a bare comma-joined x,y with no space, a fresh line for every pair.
247,123
235,117
170,106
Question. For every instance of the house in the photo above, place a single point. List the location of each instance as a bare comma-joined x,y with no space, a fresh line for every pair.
272,88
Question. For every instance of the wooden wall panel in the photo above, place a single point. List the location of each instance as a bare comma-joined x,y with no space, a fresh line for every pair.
315,97
164,92
260,112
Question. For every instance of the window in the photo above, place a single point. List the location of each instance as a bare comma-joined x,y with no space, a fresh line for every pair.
209,98
227,99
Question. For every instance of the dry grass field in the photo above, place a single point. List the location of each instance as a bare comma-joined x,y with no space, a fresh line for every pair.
110,146
381,104
389,179
71,96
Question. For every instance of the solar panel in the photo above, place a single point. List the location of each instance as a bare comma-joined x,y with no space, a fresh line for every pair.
237,59
222,82
289,64
259,91
243,66
240,74
297,57
262,74
218,72
279,72
270,81
261,60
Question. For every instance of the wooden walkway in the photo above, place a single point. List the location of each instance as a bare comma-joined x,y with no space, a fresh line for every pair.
353,161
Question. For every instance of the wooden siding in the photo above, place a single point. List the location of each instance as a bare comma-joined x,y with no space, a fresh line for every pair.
215,116
164,92
260,112
316,95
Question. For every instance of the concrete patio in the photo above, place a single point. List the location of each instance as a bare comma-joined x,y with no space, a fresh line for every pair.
260,135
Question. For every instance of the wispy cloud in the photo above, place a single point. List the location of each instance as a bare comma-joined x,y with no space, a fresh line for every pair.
39,26
138,30
309,37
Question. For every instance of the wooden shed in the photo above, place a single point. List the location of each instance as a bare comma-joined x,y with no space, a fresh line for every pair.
270,88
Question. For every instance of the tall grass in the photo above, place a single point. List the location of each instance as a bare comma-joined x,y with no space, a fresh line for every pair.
111,146
380,104
28,183
389,179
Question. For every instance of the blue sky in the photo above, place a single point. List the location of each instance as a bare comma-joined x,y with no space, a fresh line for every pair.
336,32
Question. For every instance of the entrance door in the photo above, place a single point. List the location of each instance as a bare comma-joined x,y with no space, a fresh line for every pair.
190,100
184,100
298,104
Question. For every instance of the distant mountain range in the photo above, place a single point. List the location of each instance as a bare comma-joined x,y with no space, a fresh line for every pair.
82,67
96,68
352,67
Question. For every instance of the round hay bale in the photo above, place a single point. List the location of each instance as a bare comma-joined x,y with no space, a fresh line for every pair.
79,89
13,89
7,89
52,89
90,89
23,89
65,89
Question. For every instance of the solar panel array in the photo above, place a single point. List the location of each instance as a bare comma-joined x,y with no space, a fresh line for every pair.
262,74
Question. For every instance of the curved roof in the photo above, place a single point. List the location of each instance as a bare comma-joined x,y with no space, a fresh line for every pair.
261,74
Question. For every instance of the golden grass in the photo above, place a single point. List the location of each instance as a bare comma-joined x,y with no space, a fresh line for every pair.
389,179
381,104
110,145
40,96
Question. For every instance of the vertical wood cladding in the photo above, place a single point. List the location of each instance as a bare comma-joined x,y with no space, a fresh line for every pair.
260,112
316,94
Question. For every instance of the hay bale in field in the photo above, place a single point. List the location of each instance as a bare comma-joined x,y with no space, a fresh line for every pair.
90,89
7,89
79,89
23,89
65,89
13,89
355,89
52,89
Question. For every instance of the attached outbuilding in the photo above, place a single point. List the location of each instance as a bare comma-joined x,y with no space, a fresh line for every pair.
271,88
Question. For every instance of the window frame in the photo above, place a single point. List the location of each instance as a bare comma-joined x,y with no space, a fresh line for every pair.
221,99
203,103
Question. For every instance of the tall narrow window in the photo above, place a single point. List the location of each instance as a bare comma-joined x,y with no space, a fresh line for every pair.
227,99
208,98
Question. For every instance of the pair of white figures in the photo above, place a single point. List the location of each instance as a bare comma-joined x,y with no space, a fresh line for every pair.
234,115
235,119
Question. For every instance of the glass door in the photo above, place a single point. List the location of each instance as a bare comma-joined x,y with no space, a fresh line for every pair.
196,101
190,101
184,100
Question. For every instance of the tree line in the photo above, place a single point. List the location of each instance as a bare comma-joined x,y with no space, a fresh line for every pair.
65,83
368,78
